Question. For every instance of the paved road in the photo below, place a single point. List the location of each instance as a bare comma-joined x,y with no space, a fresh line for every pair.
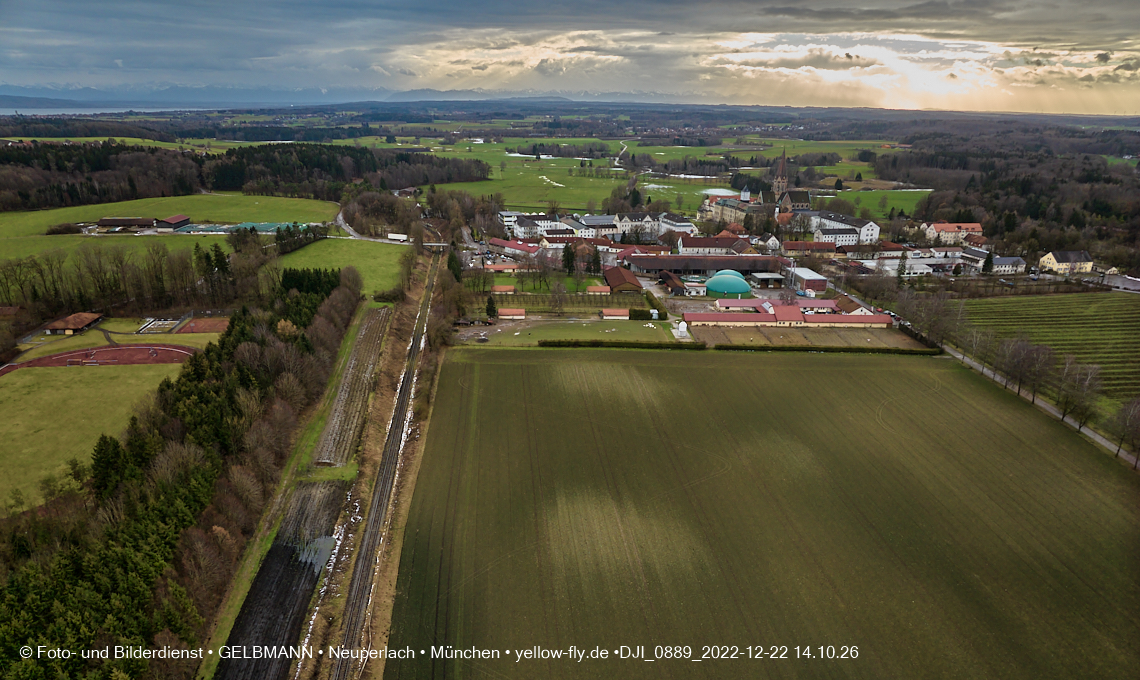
353,234
1048,408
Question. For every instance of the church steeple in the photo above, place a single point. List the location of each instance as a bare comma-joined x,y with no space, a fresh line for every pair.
780,184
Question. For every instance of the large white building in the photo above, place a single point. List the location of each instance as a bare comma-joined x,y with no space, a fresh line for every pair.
843,236
867,230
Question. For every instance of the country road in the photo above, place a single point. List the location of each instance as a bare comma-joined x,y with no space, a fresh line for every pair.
1046,407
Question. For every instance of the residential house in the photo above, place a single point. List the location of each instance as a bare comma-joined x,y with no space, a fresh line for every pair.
1009,265
767,242
848,305
977,241
1067,262
843,236
867,230
950,233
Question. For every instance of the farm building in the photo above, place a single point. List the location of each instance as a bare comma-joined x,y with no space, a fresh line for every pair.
848,305
712,245
126,223
728,284
703,265
693,289
76,323
597,290
622,280
512,248
615,314
766,279
512,314
173,222
672,283
807,248
807,279
787,316
506,290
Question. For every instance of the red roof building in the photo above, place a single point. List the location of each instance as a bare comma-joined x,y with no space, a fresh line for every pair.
73,324
622,280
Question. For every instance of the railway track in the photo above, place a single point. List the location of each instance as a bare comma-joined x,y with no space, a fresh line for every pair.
364,570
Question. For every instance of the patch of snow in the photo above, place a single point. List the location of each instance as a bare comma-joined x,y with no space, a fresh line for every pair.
552,182
721,192
530,155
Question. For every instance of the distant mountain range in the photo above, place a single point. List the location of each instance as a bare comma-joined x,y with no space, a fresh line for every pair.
18,97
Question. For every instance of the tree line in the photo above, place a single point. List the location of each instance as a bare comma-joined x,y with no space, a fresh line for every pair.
137,549
323,172
1075,387
58,175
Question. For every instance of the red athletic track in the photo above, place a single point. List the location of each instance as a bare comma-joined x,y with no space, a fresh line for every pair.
122,355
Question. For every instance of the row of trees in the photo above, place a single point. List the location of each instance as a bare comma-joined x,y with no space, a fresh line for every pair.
1075,387
140,552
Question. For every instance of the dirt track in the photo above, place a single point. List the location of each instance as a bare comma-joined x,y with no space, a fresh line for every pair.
205,325
114,355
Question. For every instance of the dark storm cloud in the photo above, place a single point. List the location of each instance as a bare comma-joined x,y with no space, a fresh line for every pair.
722,47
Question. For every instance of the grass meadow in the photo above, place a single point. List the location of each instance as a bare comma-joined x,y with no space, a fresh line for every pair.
528,333
1097,328
902,505
223,208
54,414
378,263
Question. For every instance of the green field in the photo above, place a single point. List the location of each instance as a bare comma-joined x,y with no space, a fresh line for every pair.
605,498
223,208
906,200
1097,328
54,414
528,333
378,263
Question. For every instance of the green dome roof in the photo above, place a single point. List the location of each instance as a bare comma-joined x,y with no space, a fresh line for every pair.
728,285
729,272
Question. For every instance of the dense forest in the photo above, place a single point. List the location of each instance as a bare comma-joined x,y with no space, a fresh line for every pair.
323,172
58,175
138,548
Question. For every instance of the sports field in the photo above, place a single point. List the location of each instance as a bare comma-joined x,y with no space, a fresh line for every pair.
761,336
54,414
43,345
1097,328
378,263
900,505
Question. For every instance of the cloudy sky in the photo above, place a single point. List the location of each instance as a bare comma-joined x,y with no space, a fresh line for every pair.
1016,55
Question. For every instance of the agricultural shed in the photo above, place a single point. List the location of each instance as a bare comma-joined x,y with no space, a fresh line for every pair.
506,313
173,222
622,280
704,265
615,314
807,279
126,223
503,289
70,325
672,283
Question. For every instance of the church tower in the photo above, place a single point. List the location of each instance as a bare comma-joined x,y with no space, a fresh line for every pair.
780,184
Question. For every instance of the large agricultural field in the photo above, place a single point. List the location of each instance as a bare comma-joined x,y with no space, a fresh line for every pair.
1097,328
54,414
378,263
900,505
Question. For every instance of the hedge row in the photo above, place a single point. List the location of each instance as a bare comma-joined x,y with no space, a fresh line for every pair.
626,344
657,304
843,350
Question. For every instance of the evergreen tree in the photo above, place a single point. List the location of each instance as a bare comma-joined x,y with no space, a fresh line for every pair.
988,265
454,266
596,262
492,309
902,268
108,463
568,258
